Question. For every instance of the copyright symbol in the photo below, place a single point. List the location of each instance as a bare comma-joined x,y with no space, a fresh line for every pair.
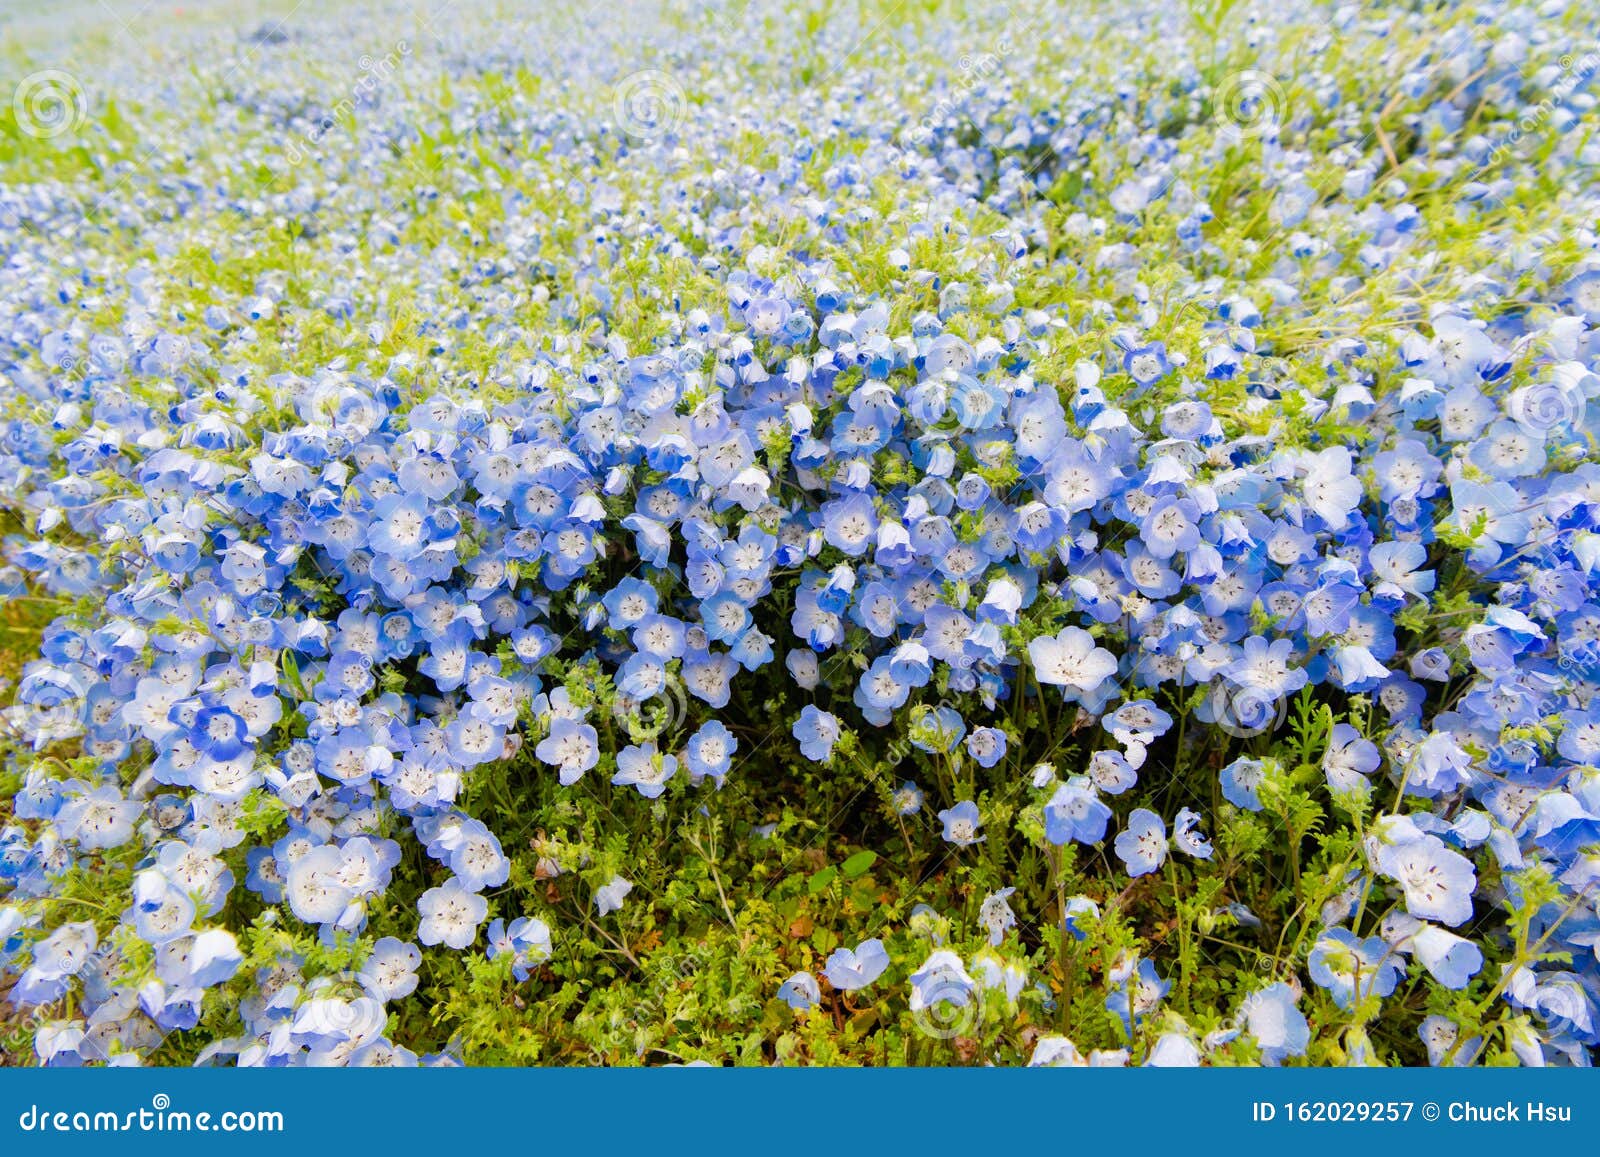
1430,1112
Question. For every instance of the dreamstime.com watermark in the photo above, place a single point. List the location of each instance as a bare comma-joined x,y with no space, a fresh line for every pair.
374,74
1576,72
158,1117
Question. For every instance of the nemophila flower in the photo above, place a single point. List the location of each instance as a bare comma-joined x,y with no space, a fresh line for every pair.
849,969
1072,661
645,769
942,979
1353,969
390,971
451,915
986,745
1146,364
1349,760
1437,883
1174,1050
1449,959
1240,781
572,747
526,940
1442,1039
609,896
308,591
1275,1023
817,732
1079,909
1142,845
1186,835
800,991
710,752
1074,813
1137,997
996,915
961,824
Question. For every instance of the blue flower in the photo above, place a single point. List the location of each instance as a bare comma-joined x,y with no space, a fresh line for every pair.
817,732
1240,781
710,752
961,824
1277,1026
609,896
848,969
1138,996
800,991
645,769
1352,969
1142,845
1075,814
451,915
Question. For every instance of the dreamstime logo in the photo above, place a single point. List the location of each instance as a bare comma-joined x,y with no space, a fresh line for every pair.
1245,712
1575,73
1248,104
159,1117
373,74
648,104
1545,407
653,716
50,103
949,1009
971,71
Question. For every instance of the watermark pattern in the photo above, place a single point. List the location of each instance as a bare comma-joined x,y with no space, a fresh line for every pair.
1576,72
1245,711
374,74
1248,103
648,105
158,1117
972,70
50,104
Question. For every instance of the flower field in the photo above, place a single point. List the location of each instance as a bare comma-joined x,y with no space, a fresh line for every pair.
803,533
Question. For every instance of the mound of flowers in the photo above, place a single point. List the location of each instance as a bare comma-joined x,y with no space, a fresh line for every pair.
671,551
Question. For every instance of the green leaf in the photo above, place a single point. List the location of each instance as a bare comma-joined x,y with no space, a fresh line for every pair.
857,864
822,879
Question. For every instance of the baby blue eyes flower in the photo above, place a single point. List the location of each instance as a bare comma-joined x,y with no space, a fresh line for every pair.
1276,1024
942,979
526,940
1142,845
1449,959
1173,1050
710,752
1071,660
572,747
1080,911
987,746
848,969
390,971
1147,364
908,799
817,732
1352,969
1436,882
1240,781
645,769
609,896
1138,996
451,915
800,991
996,915
1074,813
961,824
1187,837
